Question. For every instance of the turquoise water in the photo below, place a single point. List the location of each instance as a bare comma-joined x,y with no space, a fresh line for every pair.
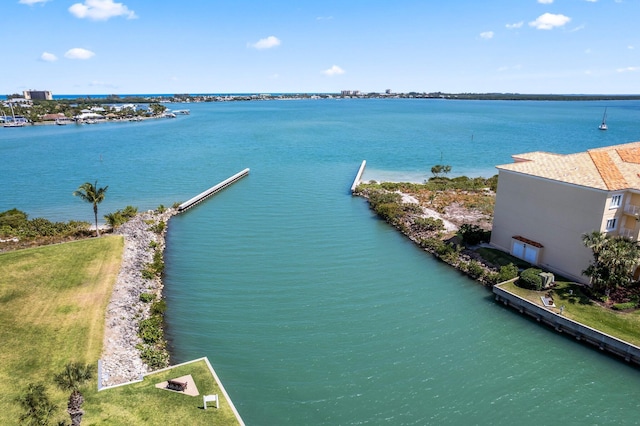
311,310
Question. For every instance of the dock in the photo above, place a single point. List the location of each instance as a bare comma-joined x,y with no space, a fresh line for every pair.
356,181
561,324
211,191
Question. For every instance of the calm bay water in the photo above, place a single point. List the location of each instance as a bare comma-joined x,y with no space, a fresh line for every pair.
311,310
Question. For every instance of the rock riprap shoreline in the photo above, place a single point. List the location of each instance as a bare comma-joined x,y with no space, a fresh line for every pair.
121,361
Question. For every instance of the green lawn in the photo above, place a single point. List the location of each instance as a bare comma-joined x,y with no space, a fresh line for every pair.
578,307
52,310
144,404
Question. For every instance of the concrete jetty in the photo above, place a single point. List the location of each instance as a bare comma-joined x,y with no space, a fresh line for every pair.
561,324
356,181
209,192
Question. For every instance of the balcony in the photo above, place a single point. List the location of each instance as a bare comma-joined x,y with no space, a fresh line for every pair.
632,209
628,233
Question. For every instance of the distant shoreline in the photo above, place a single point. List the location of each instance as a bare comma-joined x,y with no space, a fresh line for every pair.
221,97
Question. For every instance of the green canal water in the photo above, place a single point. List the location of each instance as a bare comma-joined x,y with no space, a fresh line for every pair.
311,310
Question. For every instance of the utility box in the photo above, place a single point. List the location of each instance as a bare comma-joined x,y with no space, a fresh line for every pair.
547,279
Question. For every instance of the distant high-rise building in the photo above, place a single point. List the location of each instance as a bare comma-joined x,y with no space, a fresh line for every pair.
38,95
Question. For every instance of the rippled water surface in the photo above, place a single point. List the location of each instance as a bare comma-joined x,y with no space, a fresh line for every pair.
311,310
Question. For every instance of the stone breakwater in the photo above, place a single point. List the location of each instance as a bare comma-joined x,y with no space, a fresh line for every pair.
121,360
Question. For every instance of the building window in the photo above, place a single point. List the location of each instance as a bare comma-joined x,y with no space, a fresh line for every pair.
611,224
616,201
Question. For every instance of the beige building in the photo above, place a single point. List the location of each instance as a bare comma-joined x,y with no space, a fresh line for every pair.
546,202
37,95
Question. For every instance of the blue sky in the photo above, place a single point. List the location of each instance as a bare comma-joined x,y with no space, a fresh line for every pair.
242,46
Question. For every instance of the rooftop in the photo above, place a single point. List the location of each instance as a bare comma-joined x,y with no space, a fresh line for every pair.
610,168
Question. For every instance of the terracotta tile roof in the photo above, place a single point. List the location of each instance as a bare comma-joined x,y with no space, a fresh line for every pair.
610,174
629,155
609,168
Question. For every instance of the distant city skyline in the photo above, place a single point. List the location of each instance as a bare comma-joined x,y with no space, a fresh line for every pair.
211,46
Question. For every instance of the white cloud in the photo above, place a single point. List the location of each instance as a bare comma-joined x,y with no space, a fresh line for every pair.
32,2
78,53
628,69
548,21
487,35
48,57
630,47
592,1
265,43
334,70
514,26
101,10
545,1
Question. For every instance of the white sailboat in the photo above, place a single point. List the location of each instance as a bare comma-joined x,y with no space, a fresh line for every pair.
603,125
13,122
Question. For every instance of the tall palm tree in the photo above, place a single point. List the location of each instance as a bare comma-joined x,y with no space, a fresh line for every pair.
92,194
71,378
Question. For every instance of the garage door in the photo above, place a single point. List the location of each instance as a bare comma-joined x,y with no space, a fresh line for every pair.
525,251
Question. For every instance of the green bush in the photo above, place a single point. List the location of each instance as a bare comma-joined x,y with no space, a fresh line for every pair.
150,329
507,272
624,306
530,278
492,278
147,297
158,228
473,234
432,244
475,269
120,217
155,358
389,211
158,307
428,224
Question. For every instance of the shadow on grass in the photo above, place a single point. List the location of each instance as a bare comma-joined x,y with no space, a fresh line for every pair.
572,294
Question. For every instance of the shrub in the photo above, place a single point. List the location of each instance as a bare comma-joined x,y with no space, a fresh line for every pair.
450,253
158,307
624,306
432,244
158,228
507,272
492,278
120,217
147,297
389,211
473,234
384,197
428,224
530,278
475,269
155,358
150,329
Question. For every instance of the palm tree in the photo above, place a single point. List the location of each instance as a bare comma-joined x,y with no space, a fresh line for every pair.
92,194
74,376
38,408
614,261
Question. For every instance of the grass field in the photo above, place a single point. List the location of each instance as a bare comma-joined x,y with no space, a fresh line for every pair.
52,311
